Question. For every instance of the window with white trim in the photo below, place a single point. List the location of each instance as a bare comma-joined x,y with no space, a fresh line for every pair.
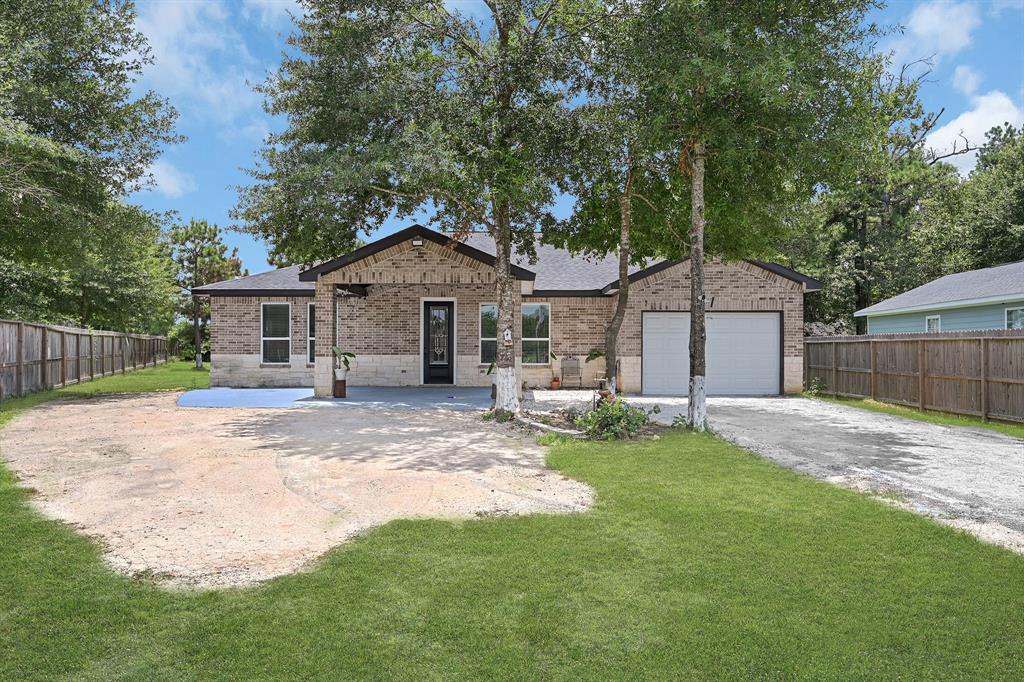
311,333
276,323
536,333
1015,318
933,323
488,333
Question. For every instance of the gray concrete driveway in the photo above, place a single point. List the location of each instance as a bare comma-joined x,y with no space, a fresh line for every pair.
965,477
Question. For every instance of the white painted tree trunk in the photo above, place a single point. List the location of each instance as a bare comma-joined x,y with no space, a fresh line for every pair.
508,393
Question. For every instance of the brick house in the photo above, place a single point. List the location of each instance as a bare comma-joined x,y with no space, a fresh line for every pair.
418,308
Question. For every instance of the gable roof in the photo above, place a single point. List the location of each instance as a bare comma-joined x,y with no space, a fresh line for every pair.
974,287
410,232
555,272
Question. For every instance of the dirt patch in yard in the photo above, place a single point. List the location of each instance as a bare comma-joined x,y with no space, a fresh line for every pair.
217,497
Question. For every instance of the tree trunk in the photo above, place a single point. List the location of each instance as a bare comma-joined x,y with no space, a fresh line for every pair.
611,336
507,400
198,333
862,284
697,412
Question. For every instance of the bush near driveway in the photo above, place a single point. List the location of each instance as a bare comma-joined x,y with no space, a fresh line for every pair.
699,560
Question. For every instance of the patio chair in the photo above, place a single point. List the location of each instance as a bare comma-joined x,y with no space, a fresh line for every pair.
571,373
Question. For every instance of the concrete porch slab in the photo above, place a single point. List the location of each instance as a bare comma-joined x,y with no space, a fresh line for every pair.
390,398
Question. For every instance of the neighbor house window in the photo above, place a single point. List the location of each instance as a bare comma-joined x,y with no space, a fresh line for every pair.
277,331
933,323
488,333
311,326
1015,318
536,333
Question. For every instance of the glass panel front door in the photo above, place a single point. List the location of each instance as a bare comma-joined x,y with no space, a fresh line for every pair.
438,343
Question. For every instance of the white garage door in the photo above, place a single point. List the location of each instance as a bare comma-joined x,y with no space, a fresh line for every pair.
743,353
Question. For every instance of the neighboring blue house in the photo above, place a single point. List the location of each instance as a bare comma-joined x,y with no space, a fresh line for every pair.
992,298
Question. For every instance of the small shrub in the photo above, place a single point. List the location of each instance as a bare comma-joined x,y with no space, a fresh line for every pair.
614,419
816,387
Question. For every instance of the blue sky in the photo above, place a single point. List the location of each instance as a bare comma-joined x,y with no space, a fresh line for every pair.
209,53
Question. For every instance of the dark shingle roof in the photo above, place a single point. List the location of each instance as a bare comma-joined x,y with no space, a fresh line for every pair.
988,283
284,281
555,270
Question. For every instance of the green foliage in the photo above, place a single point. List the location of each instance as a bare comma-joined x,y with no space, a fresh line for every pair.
400,107
183,339
344,358
816,387
615,419
68,71
200,257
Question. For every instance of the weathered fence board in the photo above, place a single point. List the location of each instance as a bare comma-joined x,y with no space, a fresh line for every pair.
972,373
36,357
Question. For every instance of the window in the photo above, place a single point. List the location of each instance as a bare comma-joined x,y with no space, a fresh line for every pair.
277,331
933,323
488,333
311,326
536,333
1015,318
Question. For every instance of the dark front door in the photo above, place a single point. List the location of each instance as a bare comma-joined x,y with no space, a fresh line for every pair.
438,343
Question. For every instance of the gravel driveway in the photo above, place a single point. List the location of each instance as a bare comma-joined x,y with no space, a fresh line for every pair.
966,477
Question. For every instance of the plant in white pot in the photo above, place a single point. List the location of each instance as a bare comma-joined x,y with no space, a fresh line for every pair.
343,359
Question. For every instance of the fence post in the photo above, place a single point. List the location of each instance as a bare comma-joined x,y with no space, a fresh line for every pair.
871,376
920,372
835,371
63,359
984,380
124,355
19,355
44,371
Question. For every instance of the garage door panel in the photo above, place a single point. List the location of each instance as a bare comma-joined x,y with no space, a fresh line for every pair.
743,353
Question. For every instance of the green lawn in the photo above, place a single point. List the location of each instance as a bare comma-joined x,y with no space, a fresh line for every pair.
172,376
1015,430
699,560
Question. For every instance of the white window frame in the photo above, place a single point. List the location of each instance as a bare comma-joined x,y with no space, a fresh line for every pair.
547,360
310,340
938,327
1006,315
482,338
263,360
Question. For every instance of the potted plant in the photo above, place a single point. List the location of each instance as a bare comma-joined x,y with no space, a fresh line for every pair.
343,358
556,381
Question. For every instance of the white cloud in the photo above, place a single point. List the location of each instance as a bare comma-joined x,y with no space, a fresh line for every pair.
936,29
170,181
271,14
988,110
966,79
201,61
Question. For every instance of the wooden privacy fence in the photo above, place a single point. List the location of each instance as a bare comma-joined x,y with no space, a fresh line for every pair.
971,373
36,357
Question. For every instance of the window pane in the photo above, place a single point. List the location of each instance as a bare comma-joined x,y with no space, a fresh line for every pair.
932,324
535,352
275,320
488,352
1015,319
312,321
535,321
438,340
488,321
312,350
275,351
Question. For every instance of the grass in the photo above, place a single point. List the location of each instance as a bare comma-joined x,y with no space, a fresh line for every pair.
171,376
699,560
1015,430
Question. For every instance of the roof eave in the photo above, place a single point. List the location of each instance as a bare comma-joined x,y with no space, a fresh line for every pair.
924,307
